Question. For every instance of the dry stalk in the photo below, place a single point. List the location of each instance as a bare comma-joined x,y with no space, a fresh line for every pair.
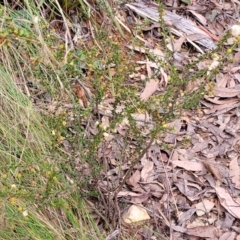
174,201
133,164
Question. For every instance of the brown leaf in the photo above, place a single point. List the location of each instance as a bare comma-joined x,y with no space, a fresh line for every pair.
214,170
236,58
193,85
226,92
235,172
147,168
135,178
204,232
190,166
200,17
228,221
150,88
203,207
176,125
226,200
222,102
185,216
156,52
219,108
199,146
81,94
176,45
140,198
191,193
228,236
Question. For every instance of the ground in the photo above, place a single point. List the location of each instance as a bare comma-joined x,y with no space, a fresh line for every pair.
120,120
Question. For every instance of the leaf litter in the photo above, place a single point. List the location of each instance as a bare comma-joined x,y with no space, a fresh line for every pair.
188,191
191,191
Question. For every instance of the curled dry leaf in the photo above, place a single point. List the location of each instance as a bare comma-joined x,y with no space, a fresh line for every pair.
176,125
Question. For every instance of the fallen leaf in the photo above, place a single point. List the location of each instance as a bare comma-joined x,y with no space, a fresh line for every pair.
80,91
190,166
213,65
199,146
185,216
220,108
204,207
156,52
141,198
193,85
105,122
191,193
176,126
135,214
226,92
203,231
235,172
128,193
199,17
236,58
147,168
226,200
214,170
150,88
228,221
228,236
113,235
222,102
176,45
134,181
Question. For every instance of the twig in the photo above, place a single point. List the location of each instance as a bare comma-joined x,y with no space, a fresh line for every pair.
127,175
99,214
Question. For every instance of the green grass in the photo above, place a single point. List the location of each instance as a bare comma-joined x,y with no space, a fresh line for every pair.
36,199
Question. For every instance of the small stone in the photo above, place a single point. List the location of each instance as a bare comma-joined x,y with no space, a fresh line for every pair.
135,214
